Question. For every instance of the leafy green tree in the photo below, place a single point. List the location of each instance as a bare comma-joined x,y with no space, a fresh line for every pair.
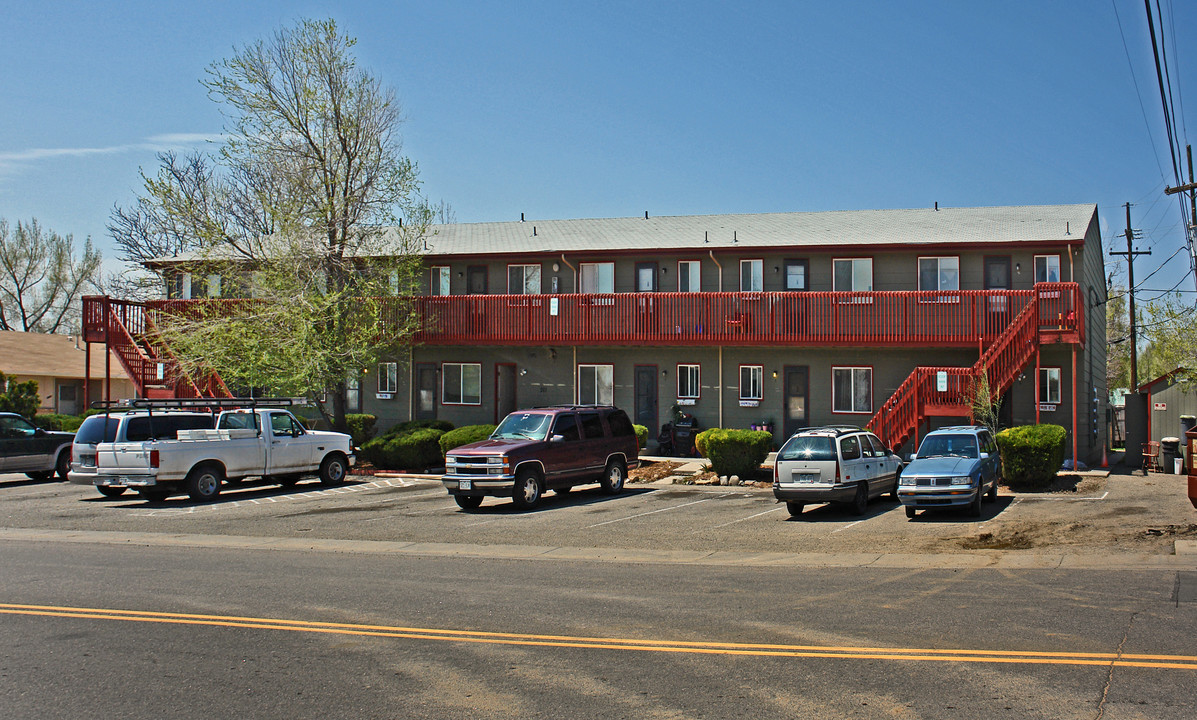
309,207
42,279
19,397
1170,326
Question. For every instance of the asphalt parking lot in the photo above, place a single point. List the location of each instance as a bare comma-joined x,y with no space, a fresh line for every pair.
1124,513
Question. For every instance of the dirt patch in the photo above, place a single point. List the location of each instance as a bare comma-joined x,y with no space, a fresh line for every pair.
1182,531
1063,484
1026,535
1016,540
652,471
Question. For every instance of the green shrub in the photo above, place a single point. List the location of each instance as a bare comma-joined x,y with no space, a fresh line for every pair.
1031,454
418,450
735,452
411,426
18,397
55,421
361,427
641,435
464,436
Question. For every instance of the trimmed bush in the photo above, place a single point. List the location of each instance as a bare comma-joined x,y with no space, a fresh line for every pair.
641,435
735,452
410,426
361,427
55,421
418,450
1031,454
464,436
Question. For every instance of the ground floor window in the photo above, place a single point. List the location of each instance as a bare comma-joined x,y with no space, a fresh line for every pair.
461,384
596,385
388,377
1049,385
752,382
687,381
852,389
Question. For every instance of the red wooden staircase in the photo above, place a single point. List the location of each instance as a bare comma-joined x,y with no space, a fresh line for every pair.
129,332
1050,316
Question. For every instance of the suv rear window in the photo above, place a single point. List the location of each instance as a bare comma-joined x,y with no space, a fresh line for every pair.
166,427
808,447
97,429
850,447
620,424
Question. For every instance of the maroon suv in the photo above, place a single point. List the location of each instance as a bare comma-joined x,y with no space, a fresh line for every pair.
549,448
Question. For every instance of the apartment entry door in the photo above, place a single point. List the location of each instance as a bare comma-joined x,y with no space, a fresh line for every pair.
424,389
505,396
997,309
797,388
646,397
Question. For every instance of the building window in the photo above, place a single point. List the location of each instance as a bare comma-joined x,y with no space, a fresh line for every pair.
752,275
687,381
752,382
1049,385
852,389
597,277
439,284
939,273
595,385
1047,268
461,384
688,276
796,271
523,279
353,395
388,377
853,275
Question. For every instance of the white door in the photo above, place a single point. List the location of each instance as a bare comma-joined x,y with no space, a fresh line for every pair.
290,451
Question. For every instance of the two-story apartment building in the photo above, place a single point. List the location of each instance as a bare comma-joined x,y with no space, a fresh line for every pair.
792,319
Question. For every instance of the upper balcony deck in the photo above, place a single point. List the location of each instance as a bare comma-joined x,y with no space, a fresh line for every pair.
883,319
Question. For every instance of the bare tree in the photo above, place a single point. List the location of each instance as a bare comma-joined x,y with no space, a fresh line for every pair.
303,202
42,279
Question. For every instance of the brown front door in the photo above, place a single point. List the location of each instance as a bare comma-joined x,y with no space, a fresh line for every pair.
505,390
997,309
646,397
424,389
797,387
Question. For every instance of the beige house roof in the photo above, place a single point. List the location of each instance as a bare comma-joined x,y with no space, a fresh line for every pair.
60,356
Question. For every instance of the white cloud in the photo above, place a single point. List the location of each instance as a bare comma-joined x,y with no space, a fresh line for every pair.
11,162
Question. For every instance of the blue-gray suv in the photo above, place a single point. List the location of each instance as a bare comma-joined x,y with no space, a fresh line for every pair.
954,467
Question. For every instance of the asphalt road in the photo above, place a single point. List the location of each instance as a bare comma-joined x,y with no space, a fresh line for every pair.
383,600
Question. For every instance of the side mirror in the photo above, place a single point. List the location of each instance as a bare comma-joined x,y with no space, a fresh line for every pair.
557,438
911,457
984,456
296,432
39,431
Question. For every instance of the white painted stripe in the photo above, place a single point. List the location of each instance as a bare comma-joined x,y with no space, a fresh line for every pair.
733,522
654,512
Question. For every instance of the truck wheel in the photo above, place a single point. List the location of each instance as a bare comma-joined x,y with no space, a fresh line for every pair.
63,466
468,502
203,482
111,490
910,512
333,470
526,493
795,508
39,476
613,477
153,494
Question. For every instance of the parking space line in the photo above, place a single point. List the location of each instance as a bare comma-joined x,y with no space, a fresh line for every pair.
849,525
733,522
653,512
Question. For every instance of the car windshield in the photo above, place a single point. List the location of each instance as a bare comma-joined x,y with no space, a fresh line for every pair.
949,445
97,429
808,447
528,426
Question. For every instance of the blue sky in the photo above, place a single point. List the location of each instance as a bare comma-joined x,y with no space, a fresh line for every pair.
569,110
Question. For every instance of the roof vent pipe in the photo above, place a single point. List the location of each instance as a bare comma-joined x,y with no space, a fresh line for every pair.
706,236
734,238
533,231
521,217
936,206
645,214
1066,230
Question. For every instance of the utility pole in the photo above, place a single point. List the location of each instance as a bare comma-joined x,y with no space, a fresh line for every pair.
1191,230
1131,254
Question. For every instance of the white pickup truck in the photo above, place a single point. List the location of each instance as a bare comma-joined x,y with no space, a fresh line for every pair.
258,442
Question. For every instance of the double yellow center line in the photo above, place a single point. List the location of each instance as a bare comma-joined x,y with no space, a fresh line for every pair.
1168,662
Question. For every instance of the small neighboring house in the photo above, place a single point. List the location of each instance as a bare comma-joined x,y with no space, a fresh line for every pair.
57,363
1167,401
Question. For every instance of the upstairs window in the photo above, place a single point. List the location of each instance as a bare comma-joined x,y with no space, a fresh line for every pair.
523,279
752,275
439,284
853,275
597,277
939,273
1047,268
689,278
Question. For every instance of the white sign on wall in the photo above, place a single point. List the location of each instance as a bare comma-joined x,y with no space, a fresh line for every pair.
1160,406
941,381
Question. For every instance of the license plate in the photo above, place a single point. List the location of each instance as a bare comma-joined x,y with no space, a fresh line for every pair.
806,477
465,484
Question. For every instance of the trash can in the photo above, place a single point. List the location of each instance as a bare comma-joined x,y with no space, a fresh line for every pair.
685,429
1187,423
1169,453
